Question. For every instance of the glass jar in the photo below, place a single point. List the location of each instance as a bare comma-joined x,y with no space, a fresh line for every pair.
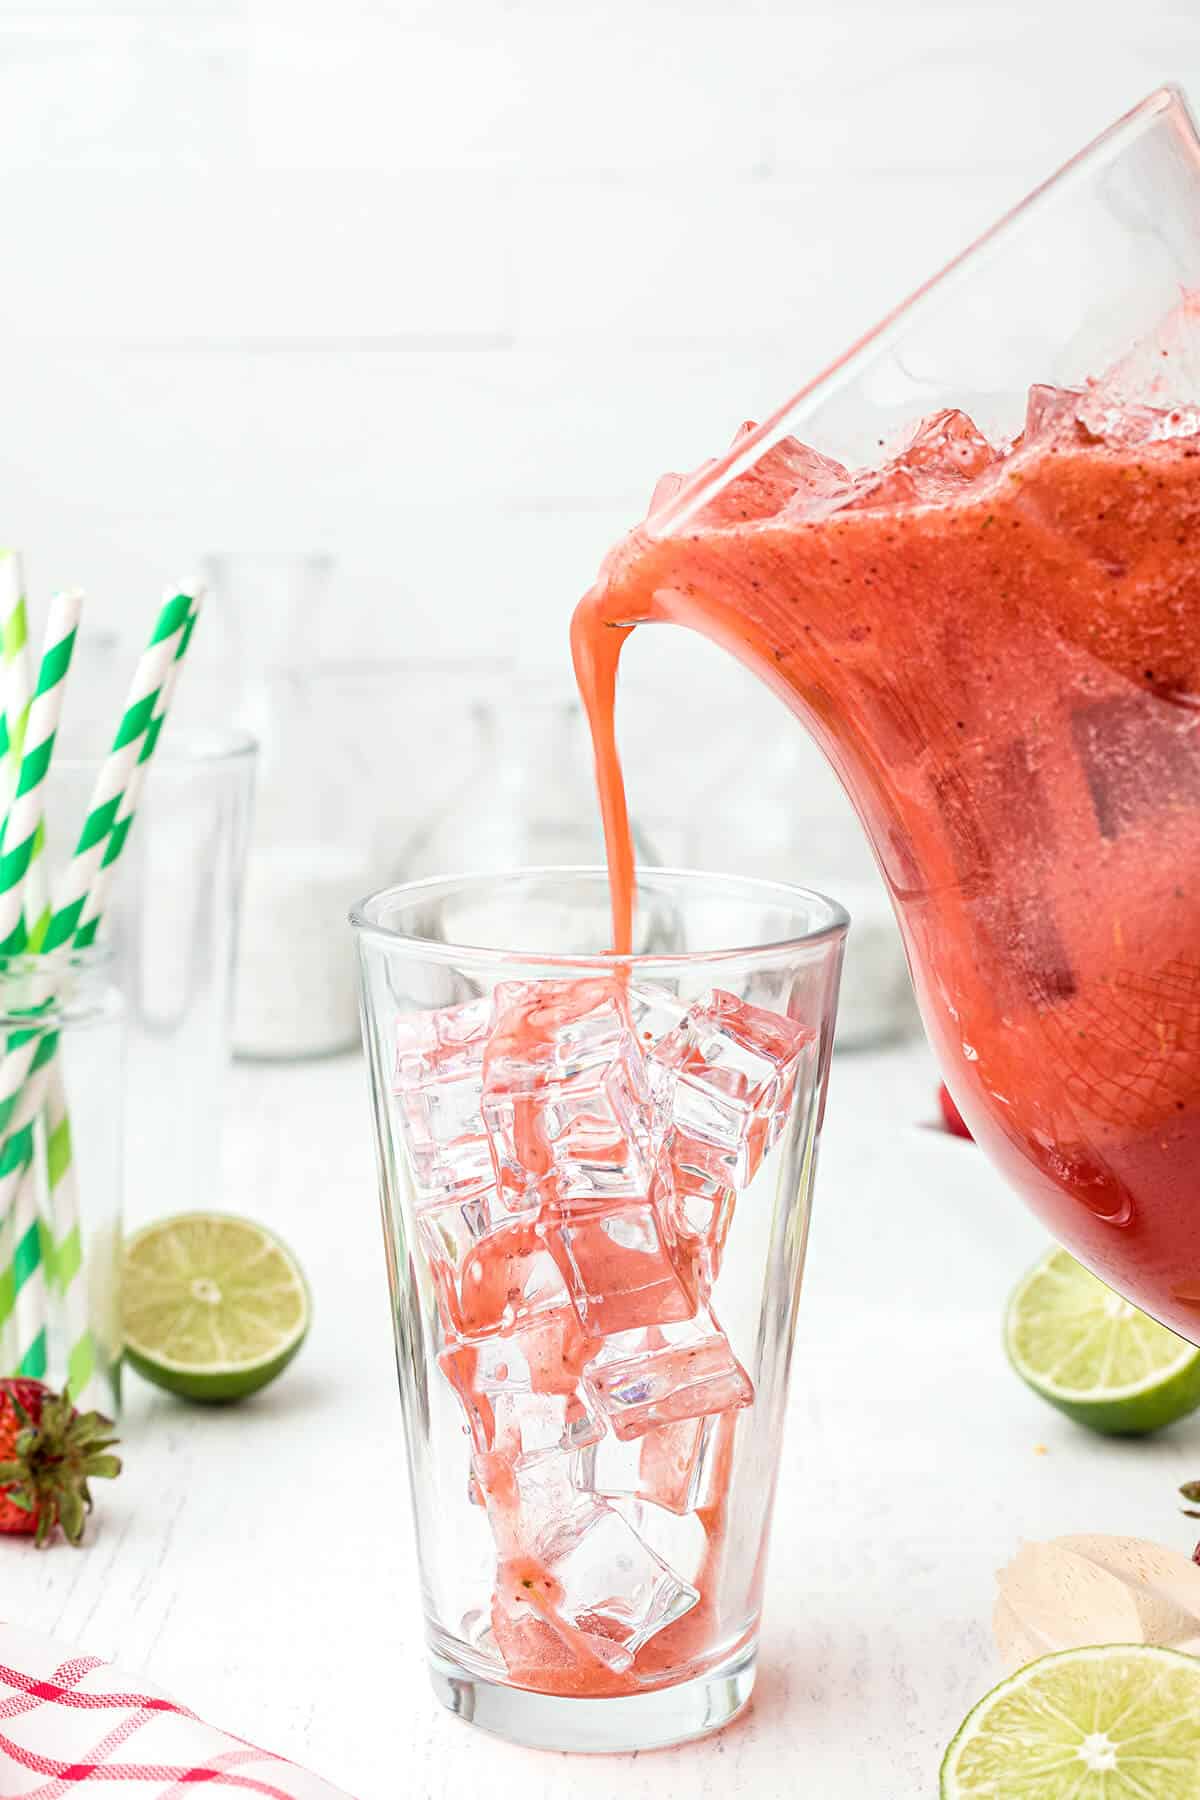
62,1081
171,921
527,799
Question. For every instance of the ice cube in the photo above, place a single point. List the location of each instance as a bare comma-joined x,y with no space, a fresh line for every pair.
444,1041
1049,411
641,1380
1006,793
439,1084
565,1092
670,1466
788,474
726,1078
594,1582
547,1424
520,1394
553,1029
1139,758
680,1539
698,1207
945,455
1099,414
1126,426
666,489
620,1269
653,1011
508,1278
490,1266
1163,367
597,1127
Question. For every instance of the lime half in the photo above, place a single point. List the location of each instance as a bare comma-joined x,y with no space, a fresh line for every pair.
1096,1357
1120,1722
214,1307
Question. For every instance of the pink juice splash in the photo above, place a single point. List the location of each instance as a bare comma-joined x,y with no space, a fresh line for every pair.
572,1268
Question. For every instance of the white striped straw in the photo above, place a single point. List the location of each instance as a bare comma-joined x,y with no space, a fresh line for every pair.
132,745
25,1073
14,642
62,1187
98,891
12,615
23,832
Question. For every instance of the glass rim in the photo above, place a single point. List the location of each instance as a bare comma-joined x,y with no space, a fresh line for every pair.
831,930
89,964
189,747
66,956
1163,102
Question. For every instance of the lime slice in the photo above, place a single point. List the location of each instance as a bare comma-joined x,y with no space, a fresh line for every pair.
1119,1722
1096,1357
214,1307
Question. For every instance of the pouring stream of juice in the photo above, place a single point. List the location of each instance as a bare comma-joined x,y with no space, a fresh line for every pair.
998,646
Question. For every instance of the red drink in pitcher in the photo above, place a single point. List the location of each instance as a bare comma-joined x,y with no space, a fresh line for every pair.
994,633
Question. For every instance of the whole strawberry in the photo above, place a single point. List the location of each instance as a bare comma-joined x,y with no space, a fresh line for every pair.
951,1116
48,1454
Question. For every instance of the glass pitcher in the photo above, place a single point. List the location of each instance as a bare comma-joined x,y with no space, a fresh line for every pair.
991,623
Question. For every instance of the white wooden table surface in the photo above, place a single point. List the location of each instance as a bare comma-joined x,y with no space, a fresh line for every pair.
258,1562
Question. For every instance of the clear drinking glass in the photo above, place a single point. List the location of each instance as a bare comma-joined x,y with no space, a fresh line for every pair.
63,1081
595,1263
172,924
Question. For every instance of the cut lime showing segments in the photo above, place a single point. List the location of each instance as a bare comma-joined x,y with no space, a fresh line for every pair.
214,1307
1120,1722
1096,1357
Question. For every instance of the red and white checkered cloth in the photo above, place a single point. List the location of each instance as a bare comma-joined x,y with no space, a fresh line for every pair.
72,1724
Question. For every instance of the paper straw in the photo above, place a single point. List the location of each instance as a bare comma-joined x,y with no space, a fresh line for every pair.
23,833
93,907
168,642
66,1256
25,1070
61,1260
15,698
20,847
14,628
141,723
14,644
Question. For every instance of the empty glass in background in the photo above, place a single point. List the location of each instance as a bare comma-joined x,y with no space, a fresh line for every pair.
527,798
60,1232
410,942
308,853
171,922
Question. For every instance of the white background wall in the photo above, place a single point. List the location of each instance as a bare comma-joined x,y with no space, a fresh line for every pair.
442,287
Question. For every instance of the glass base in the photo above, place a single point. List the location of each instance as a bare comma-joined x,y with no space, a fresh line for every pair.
651,1721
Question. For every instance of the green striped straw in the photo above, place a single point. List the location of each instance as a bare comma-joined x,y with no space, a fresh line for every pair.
61,1260
138,732
133,745
24,1070
14,641
66,1245
82,1367
14,633
14,647
98,890
20,842
22,837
